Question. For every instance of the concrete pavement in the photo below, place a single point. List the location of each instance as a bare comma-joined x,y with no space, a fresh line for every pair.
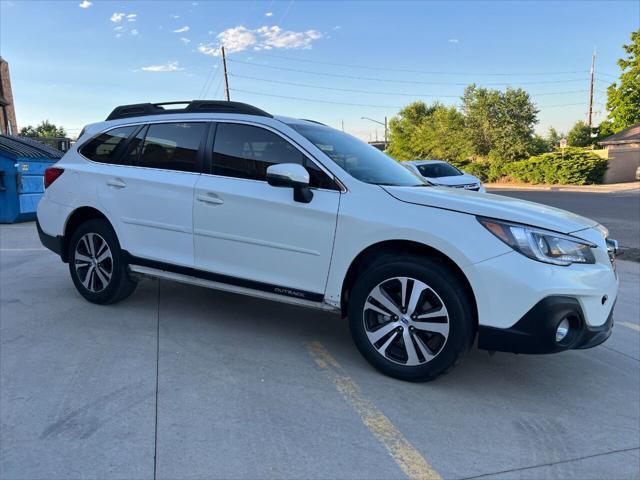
183,382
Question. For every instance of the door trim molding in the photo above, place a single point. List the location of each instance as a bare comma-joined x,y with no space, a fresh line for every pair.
152,224
218,281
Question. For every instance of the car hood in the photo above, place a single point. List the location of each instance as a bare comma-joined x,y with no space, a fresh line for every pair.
463,179
493,206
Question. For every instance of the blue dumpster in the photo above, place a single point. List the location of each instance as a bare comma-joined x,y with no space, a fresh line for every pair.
22,165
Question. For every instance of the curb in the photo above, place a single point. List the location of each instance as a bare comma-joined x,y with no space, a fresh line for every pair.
613,188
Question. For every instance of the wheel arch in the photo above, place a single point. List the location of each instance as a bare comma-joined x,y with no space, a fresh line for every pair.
398,247
75,219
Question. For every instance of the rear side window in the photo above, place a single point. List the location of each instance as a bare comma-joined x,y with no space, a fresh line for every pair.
245,151
172,146
104,147
134,149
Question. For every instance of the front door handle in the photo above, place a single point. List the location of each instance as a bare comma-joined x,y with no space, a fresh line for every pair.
116,183
210,198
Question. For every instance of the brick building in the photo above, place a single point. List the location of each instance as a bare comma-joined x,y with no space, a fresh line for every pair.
8,125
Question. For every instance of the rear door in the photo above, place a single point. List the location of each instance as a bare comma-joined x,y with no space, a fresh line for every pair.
248,230
148,190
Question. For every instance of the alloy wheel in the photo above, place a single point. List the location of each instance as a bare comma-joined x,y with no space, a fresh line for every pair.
93,262
406,321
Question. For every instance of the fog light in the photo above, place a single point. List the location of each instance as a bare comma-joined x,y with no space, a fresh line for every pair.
562,330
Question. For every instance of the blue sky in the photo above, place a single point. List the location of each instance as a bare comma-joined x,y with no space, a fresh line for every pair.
73,61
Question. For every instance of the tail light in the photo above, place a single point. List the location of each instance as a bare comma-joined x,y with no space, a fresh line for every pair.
51,174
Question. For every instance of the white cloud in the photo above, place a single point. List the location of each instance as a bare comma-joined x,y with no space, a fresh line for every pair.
240,38
166,67
268,14
176,16
185,40
118,35
134,32
85,4
117,17
454,40
132,17
118,28
182,29
278,38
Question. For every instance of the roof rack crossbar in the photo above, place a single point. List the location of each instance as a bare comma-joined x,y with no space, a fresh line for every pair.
191,106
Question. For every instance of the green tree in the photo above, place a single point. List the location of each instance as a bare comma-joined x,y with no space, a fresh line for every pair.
579,135
553,138
623,97
402,130
44,129
500,124
434,131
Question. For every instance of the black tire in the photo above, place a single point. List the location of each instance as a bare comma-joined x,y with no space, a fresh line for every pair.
120,284
449,289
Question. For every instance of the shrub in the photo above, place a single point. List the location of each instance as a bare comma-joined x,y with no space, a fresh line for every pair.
578,167
478,169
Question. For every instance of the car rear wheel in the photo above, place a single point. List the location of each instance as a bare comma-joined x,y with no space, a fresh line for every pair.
411,317
96,264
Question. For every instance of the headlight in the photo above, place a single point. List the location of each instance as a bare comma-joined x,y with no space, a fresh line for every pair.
542,245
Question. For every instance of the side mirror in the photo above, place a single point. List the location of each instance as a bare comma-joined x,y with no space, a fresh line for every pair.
291,175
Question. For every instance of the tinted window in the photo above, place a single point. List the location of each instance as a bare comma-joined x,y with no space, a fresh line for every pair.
436,170
244,151
134,149
104,147
172,146
361,161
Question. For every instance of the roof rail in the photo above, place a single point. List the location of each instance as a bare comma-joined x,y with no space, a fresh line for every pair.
193,106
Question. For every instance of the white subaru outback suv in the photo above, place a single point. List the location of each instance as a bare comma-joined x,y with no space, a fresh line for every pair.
227,196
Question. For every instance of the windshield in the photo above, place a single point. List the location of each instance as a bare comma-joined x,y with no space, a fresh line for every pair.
436,170
358,159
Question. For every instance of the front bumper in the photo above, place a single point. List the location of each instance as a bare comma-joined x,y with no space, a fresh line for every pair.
535,331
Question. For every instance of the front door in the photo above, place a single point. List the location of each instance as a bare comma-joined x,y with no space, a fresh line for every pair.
246,229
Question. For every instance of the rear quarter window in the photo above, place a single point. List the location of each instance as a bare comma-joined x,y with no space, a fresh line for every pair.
104,147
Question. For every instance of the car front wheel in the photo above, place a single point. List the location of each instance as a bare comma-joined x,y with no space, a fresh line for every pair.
411,317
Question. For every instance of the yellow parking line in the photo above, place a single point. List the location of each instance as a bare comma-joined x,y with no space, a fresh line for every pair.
403,453
632,326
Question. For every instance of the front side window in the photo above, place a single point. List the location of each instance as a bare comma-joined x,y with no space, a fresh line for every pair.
361,161
245,151
104,147
172,146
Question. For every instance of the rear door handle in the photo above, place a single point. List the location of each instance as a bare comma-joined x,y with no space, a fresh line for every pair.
210,198
116,183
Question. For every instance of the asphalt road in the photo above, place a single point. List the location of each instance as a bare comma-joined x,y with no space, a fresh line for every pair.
619,212
182,382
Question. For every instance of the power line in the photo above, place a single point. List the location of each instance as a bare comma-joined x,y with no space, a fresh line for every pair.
209,79
210,83
608,75
377,92
355,77
427,72
317,100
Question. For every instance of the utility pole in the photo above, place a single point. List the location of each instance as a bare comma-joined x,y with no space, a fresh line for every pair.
379,123
591,88
385,131
226,78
